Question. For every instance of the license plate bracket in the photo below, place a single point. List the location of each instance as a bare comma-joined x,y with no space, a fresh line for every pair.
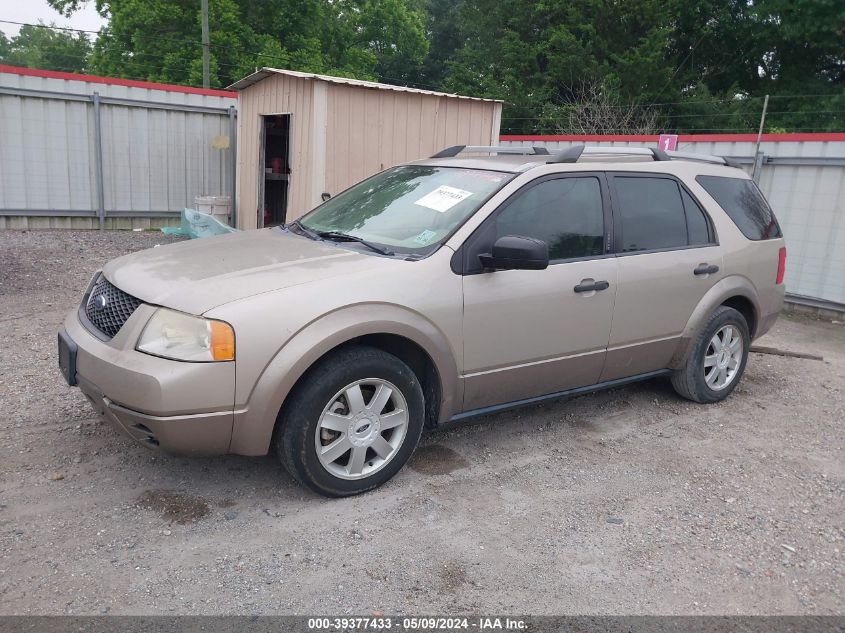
67,358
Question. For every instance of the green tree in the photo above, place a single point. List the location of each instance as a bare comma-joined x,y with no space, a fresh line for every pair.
159,40
738,51
556,63
46,47
392,32
544,52
708,63
445,33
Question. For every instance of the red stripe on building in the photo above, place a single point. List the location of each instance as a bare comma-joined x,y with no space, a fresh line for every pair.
115,81
683,138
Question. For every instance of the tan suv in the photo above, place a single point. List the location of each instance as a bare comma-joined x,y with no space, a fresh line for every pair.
430,292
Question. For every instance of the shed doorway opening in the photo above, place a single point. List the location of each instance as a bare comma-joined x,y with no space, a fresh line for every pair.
275,169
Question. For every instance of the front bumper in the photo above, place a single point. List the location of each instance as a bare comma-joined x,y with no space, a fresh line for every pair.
197,434
177,407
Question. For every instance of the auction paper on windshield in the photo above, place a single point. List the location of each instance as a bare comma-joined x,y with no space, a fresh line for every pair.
443,198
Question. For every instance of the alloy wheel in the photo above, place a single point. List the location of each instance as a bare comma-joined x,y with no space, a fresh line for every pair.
361,428
723,357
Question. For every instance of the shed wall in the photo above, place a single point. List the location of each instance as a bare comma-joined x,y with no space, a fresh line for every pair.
370,130
279,94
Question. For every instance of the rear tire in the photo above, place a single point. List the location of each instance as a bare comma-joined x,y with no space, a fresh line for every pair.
351,423
717,360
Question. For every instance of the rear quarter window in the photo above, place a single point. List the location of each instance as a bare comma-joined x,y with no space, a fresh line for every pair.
745,205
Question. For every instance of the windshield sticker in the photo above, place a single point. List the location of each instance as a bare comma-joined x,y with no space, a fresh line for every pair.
425,237
443,198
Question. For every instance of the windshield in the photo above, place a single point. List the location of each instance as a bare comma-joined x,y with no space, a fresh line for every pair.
409,209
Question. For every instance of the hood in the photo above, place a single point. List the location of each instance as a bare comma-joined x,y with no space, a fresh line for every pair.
197,275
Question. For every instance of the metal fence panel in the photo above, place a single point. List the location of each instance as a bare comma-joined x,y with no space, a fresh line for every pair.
37,139
805,184
160,148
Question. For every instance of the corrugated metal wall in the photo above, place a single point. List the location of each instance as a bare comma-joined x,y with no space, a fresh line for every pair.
805,184
46,150
159,160
157,154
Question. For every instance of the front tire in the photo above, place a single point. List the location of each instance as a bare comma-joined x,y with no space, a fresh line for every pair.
717,360
351,423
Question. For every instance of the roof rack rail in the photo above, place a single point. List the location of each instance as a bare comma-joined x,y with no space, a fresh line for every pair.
572,154
704,158
449,152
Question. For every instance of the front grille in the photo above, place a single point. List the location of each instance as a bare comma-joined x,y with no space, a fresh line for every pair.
108,307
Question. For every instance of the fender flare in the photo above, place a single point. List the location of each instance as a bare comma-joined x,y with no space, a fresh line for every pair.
724,289
253,426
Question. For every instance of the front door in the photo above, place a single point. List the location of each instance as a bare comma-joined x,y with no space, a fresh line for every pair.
668,259
533,332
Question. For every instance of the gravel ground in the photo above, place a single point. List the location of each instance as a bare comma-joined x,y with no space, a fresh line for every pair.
630,501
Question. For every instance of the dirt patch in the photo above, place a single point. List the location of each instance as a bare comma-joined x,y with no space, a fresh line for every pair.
452,575
436,459
174,506
728,509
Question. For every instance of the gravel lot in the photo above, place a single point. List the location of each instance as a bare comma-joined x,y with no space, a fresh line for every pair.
630,501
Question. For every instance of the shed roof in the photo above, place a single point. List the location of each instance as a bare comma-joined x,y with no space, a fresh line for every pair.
263,73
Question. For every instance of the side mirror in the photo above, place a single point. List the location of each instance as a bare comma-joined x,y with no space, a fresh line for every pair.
517,252
325,195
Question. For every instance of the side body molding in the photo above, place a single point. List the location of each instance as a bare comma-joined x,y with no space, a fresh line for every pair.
253,426
724,289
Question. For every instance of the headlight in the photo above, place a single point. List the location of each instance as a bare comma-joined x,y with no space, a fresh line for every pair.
180,336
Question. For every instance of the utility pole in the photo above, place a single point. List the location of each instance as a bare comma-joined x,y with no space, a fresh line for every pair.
206,73
759,135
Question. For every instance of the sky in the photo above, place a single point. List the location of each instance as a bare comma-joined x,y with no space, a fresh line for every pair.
30,11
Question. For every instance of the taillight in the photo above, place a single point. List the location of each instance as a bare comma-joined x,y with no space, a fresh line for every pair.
781,265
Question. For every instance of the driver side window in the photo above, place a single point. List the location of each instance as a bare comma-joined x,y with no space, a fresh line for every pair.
566,213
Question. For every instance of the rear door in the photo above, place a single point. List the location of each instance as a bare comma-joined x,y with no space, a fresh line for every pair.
532,332
668,259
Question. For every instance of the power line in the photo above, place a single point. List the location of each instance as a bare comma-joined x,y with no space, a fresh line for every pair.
46,26
626,131
157,34
726,100
696,116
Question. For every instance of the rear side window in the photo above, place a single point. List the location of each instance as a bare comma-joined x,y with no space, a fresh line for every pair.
652,213
744,204
698,228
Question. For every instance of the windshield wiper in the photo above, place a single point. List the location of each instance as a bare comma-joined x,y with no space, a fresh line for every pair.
345,237
301,228
336,236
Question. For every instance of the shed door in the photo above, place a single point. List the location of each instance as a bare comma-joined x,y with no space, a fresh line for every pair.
274,162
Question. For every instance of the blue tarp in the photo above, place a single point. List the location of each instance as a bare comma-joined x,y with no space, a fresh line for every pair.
197,224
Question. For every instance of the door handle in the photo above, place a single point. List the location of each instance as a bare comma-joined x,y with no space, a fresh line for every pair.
705,269
590,287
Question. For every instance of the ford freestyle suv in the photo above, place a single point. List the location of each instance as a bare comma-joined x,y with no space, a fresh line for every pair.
476,280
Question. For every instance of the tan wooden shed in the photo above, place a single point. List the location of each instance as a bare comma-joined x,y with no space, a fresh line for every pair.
301,135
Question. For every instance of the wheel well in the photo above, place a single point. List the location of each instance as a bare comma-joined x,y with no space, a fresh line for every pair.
409,353
744,306
420,363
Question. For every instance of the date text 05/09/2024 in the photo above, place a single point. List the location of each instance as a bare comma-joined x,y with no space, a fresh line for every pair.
425,623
